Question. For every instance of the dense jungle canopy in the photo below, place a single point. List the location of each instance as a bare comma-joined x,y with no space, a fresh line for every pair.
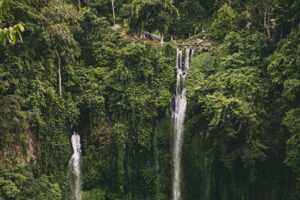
105,69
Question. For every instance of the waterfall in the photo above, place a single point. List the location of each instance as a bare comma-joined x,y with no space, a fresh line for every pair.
74,168
178,114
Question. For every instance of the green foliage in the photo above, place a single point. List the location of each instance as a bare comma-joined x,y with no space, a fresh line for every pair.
96,194
244,49
152,15
9,188
225,22
18,183
4,7
291,90
121,113
9,34
291,120
295,7
284,73
41,188
281,14
120,137
103,8
57,19
13,114
193,16
293,153
229,104
242,120
231,112
285,61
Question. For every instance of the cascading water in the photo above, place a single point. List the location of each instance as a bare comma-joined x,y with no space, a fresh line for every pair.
178,114
74,168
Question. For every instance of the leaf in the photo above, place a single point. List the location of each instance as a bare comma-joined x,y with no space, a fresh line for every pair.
12,36
21,27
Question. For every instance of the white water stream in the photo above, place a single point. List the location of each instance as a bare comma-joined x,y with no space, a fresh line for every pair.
178,114
74,168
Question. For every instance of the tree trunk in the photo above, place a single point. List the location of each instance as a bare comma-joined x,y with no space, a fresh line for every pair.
79,4
267,24
248,20
113,10
58,71
161,39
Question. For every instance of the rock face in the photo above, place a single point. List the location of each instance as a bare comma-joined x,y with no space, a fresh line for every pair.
23,148
205,46
201,43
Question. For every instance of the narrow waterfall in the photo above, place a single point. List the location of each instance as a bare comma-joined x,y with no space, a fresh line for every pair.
74,168
178,114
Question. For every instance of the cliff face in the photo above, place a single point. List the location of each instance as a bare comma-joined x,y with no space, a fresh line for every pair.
23,149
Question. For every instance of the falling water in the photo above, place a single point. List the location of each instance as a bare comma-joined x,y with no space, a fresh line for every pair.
74,168
178,114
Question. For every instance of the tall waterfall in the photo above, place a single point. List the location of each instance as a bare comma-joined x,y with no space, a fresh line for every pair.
178,114
74,168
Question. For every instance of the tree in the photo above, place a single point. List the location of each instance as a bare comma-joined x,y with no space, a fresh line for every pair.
228,95
9,34
57,19
295,9
151,15
192,17
113,10
260,14
107,8
282,18
284,74
225,22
